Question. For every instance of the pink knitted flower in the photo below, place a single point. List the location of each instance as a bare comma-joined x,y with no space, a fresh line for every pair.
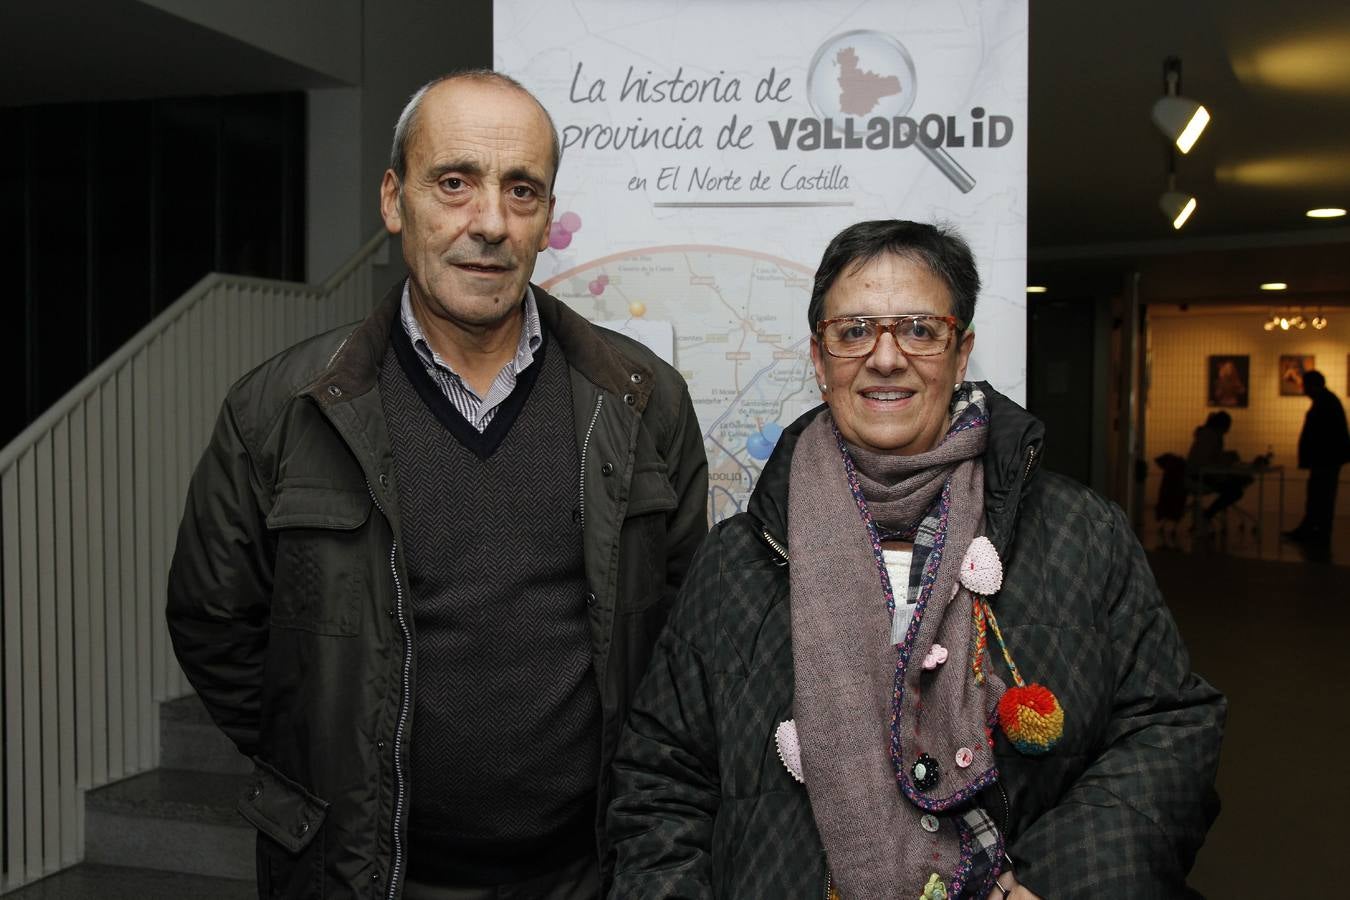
789,748
981,570
936,656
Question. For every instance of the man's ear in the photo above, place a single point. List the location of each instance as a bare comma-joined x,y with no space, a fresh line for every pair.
391,202
552,205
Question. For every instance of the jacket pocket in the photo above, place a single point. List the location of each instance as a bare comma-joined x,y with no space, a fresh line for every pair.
643,539
288,819
321,575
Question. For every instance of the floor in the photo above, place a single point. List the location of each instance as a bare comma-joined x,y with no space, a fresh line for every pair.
1267,623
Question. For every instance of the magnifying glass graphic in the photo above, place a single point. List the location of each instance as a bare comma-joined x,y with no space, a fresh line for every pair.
864,74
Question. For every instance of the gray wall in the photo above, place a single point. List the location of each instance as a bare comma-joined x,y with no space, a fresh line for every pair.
405,43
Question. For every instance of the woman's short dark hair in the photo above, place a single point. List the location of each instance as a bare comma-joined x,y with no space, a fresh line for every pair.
938,247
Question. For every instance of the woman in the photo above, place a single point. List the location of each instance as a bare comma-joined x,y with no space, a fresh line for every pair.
835,707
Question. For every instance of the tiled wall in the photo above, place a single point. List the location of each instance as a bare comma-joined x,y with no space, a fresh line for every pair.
1180,347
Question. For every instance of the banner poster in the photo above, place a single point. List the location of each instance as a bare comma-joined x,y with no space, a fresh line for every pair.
712,149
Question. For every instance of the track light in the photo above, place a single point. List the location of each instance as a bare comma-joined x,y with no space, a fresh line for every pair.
1177,206
1180,118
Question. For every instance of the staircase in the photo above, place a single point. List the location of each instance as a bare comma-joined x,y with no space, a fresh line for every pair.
171,833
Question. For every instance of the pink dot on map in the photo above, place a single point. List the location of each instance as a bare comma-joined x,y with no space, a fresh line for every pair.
570,222
603,279
558,239
596,288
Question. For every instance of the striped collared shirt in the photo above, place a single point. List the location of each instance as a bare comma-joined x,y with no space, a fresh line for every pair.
477,411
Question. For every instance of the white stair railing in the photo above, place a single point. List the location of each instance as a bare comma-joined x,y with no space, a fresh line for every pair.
90,498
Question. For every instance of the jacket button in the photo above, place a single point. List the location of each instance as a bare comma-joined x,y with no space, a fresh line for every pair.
629,399
636,378
256,791
335,390
607,469
964,757
590,599
302,829
384,480
379,745
925,772
929,823
375,877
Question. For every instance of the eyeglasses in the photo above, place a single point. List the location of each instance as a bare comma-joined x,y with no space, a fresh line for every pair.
853,337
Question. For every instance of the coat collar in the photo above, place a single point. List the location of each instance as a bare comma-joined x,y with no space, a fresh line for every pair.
354,368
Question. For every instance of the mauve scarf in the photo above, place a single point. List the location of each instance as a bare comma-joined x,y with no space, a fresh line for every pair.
864,714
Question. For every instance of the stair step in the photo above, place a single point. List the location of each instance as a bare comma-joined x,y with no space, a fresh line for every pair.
190,741
171,820
93,881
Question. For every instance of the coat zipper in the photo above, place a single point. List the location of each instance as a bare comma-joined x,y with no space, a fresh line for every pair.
402,706
774,543
585,446
1031,460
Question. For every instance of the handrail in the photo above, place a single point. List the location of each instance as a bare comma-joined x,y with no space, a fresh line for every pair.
174,311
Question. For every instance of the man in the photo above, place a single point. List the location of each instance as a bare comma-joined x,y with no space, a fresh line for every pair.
1323,447
423,561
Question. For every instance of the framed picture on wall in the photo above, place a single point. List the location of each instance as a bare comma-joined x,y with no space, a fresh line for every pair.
1228,380
1291,374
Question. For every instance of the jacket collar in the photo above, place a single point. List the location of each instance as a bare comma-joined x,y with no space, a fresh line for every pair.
354,368
1011,461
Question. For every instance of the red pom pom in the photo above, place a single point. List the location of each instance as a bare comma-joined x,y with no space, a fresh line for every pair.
1031,717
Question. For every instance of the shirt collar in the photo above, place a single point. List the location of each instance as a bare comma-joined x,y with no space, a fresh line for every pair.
531,333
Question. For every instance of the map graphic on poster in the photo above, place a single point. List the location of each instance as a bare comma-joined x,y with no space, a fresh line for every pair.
711,150
742,350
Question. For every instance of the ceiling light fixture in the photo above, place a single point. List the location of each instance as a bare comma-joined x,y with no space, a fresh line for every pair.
1326,212
1274,286
1179,118
1176,205
1319,321
1036,289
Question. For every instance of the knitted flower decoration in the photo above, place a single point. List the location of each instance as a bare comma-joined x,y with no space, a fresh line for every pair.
789,748
981,570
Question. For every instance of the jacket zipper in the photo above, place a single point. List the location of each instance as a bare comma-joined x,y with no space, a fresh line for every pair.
585,446
1031,460
774,544
402,705
829,883
1007,811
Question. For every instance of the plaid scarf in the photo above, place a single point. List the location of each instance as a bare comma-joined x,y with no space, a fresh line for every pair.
864,713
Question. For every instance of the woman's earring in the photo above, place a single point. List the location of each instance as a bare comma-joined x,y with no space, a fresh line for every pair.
824,387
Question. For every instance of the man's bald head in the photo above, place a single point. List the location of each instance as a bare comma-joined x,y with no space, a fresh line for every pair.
405,130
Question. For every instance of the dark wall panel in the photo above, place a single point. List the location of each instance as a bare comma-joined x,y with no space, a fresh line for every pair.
110,212
13,271
58,241
121,223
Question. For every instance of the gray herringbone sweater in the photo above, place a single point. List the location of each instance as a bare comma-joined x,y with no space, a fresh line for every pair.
506,719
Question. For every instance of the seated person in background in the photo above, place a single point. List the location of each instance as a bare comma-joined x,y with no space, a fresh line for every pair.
1207,453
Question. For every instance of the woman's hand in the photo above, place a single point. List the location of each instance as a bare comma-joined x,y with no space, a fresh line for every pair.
1009,887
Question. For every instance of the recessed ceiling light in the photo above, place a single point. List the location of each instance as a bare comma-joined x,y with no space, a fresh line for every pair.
1036,289
1274,286
1326,212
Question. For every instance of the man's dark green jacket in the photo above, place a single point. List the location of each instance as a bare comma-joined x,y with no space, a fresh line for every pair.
287,595
704,807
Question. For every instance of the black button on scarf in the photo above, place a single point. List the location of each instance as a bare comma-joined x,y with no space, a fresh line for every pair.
924,772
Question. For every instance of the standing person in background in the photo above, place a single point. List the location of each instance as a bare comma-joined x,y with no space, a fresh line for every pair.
1323,447
424,559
